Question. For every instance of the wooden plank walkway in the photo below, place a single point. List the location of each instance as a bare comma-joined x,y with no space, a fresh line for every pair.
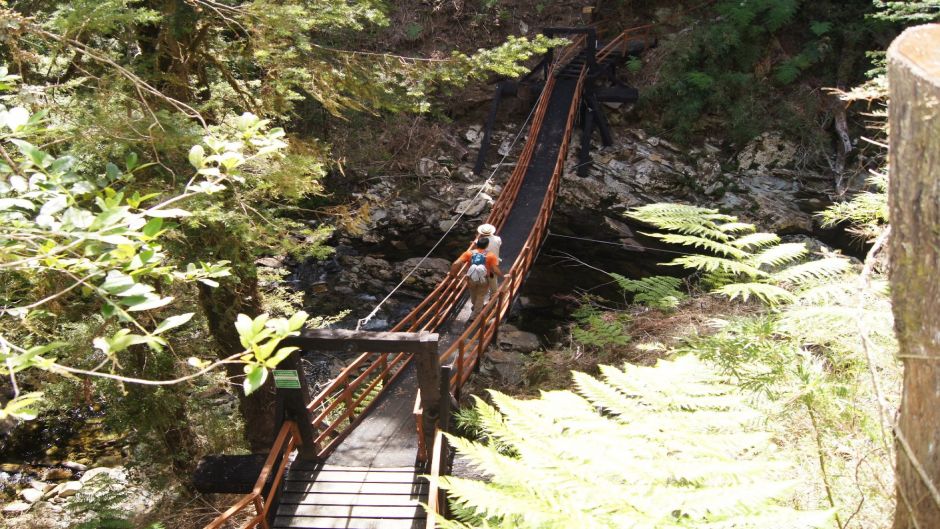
331,496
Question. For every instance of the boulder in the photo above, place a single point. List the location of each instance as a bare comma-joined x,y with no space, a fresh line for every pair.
57,474
77,467
505,366
92,473
16,507
31,495
68,489
40,485
472,207
11,468
512,338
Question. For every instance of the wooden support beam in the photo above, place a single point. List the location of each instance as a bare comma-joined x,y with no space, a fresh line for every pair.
364,341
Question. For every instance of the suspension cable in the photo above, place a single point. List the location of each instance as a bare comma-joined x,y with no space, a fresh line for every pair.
487,182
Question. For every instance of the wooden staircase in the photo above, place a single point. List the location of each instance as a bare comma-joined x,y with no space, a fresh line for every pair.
329,497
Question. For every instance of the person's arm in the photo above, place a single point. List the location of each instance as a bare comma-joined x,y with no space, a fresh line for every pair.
494,264
455,268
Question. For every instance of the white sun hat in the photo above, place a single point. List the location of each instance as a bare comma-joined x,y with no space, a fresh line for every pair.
486,229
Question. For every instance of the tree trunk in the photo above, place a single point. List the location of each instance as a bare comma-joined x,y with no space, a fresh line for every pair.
914,199
221,305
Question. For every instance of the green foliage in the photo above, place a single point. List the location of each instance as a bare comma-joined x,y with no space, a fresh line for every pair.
911,11
726,69
599,329
658,292
99,501
666,446
96,241
741,262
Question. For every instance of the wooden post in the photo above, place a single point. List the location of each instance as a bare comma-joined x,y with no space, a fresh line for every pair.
293,395
428,365
448,404
914,200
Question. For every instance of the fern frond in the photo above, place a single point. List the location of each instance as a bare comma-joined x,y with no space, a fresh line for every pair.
736,227
770,294
660,292
819,269
708,263
779,255
695,241
755,240
654,447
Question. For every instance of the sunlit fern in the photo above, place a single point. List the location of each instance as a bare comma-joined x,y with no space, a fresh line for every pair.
738,261
669,446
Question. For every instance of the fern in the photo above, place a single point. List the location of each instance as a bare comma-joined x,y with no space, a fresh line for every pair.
599,329
658,292
744,263
658,447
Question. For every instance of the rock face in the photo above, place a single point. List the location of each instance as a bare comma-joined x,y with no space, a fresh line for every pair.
762,188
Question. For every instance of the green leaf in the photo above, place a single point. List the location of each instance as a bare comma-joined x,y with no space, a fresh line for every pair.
196,156
281,354
22,203
35,154
172,322
139,303
152,228
23,407
255,376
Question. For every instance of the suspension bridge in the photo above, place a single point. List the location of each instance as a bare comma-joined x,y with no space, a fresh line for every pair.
369,448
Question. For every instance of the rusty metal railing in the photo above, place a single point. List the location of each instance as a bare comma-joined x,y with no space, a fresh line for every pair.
262,495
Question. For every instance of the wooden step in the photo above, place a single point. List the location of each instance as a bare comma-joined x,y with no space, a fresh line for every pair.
323,522
356,488
352,476
353,511
333,498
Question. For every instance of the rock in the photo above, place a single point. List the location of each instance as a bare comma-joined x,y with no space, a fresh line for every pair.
57,474
428,167
42,486
77,467
434,264
16,508
521,341
269,262
474,136
92,473
12,468
31,495
473,206
504,365
68,489
766,151
504,147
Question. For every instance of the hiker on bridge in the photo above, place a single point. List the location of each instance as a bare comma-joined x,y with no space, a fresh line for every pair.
489,231
483,265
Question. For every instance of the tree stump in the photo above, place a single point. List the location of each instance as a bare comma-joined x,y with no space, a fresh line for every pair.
914,199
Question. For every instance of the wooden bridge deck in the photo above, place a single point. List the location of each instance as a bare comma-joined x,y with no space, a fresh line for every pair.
371,480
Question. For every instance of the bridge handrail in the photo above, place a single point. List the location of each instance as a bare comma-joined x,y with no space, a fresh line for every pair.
287,440
468,349
435,497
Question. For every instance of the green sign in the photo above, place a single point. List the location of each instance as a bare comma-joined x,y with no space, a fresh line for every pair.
286,379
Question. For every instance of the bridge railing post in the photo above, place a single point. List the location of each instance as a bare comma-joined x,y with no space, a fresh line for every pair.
293,395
